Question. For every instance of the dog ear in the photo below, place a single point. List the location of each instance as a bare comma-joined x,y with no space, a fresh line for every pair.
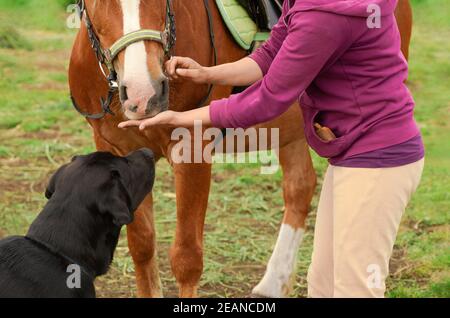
51,188
117,202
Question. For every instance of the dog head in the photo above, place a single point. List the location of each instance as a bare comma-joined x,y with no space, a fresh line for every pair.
109,186
90,199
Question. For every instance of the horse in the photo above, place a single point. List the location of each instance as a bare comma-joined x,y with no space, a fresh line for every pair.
130,83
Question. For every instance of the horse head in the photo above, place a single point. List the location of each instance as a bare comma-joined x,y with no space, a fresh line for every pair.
143,87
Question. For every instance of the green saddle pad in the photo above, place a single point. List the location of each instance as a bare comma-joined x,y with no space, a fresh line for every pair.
243,29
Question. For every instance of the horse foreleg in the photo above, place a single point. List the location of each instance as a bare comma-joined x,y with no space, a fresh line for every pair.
142,245
192,182
299,181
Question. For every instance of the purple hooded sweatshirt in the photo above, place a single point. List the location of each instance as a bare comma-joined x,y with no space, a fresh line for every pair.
348,77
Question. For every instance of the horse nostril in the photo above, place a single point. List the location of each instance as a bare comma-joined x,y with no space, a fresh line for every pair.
123,93
164,88
133,108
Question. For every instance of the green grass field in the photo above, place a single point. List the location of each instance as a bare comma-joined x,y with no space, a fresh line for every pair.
39,131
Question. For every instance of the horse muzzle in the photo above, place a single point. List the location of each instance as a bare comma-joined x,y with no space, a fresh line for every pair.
141,103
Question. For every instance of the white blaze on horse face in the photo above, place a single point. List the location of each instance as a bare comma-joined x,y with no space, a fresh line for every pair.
277,281
136,76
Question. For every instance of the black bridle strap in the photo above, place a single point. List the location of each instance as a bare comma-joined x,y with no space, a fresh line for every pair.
105,104
214,48
171,27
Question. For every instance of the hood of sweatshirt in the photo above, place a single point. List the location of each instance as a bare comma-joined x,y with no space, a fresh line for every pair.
354,8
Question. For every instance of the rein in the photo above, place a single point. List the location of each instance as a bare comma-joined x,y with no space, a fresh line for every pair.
106,57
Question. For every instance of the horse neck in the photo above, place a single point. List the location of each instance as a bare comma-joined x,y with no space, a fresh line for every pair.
194,41
193,34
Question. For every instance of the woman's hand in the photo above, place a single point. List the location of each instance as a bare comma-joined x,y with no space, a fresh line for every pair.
244,72
174,119
167,118
186,68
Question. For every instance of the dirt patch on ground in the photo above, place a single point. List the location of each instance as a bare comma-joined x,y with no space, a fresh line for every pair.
20,178
13,186
403,270
398,262
12,182
420,227
119,284
116,285
41,135
54,61
45,86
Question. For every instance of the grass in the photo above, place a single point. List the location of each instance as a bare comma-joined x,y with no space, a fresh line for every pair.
11,39
39,130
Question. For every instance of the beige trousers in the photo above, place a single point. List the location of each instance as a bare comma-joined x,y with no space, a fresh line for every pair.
358,218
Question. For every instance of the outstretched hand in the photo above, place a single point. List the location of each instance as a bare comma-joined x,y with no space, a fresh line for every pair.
171,118
165,118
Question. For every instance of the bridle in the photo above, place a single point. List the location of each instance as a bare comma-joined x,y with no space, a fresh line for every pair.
106,57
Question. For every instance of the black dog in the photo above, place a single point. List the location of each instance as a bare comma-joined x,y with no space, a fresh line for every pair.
90,199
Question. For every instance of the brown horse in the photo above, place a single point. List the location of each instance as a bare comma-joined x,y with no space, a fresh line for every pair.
143,86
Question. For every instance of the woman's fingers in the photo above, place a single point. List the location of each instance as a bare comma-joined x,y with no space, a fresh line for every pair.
186,62
190,74
150,122
177,63
199,76
142,124
171,66
130,123
164,118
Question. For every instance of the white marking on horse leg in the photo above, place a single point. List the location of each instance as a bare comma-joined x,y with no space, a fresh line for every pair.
277,281
136,74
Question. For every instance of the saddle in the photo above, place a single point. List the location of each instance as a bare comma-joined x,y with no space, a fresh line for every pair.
265,13
250,21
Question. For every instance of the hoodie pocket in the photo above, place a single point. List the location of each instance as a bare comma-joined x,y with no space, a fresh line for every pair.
326,149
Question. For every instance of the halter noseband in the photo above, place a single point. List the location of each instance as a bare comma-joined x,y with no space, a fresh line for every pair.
106,57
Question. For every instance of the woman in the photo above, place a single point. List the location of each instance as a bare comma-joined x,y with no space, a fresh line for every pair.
349,76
